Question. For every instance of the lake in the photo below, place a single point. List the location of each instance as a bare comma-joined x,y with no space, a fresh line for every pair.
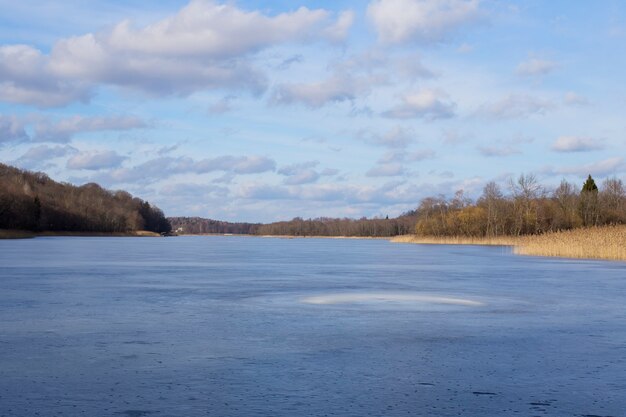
241,326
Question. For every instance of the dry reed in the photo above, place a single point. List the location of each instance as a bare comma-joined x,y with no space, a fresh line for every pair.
606,242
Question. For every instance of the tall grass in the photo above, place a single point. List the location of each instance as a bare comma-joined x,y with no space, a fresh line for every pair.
457,240
605,242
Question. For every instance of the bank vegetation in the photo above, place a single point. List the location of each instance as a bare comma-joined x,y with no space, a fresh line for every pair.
31,201
569,221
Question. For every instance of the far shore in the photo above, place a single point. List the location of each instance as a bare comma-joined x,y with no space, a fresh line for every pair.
606,242
284,236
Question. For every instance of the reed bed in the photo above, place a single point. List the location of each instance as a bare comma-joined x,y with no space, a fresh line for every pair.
457,240
605,242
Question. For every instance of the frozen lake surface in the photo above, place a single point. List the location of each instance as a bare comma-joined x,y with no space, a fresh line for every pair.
237,326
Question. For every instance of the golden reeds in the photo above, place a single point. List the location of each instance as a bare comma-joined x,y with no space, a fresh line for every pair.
606,242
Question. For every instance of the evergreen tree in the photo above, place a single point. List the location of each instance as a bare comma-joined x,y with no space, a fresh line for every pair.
589,185
589,203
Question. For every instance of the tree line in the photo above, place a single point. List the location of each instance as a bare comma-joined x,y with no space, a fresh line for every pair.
201,226
525,207
33,201
322,226
363,227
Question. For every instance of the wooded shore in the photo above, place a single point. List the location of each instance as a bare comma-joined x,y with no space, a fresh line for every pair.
24,234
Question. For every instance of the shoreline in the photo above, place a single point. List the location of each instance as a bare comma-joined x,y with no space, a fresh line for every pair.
283,236
599,243
26,234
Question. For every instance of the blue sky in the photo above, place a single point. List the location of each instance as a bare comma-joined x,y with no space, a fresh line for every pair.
266,110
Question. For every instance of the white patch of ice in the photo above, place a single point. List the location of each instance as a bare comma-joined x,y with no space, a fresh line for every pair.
385,297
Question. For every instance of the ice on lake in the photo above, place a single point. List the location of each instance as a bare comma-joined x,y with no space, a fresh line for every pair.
236,326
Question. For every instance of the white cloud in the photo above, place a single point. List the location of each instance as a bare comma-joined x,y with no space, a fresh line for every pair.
11,129
45,152
609,166
517,106
397,137
95,160
427,104
337,88
302,173
576,144
63,130
535,66
386,170
339,30
27,78
165,167
495,151
206,45
399,21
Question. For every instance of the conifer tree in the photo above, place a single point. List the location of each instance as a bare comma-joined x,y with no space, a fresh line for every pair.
589,185
589,203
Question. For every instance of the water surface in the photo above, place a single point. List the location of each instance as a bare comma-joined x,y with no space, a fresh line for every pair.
236,326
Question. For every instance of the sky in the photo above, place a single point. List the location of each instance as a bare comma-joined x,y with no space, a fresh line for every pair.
260,111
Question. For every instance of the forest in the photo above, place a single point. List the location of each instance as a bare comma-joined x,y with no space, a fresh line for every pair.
299,227
523,207
526,208
32,201
201,226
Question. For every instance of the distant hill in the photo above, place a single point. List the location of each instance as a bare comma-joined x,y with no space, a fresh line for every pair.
33,201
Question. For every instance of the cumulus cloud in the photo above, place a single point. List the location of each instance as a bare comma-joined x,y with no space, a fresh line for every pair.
302,173
337,88
399,21
95,160
11,129
498,151
193,190
609,166
203,46
26,77
426,104
517,106
63,130
398,137
576,144
166,166
535,66
339,30
392,192
383,63
44,152
386,170
42,129
353,77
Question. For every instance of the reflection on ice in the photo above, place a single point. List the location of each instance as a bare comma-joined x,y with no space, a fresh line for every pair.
386,297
